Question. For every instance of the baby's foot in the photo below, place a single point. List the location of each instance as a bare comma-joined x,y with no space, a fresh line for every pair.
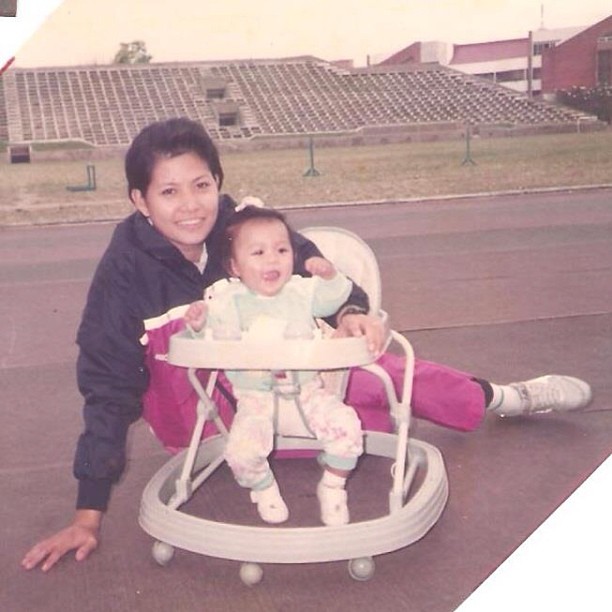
333,502
270,504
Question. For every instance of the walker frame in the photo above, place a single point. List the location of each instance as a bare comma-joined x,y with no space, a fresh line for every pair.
414,504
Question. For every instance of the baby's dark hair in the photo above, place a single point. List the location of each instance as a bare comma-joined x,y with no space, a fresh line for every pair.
168,139
246,214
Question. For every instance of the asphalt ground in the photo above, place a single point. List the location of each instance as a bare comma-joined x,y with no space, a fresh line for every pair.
506,287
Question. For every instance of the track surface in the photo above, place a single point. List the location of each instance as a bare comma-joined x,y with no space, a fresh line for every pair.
505,287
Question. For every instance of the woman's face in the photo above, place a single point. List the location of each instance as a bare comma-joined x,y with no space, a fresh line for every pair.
182,202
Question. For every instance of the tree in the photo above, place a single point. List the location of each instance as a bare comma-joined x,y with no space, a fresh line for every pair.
595,101
132,53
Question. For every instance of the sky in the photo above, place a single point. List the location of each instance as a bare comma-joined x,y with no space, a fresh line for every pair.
90,32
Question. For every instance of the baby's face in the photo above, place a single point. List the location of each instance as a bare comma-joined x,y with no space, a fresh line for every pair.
262,256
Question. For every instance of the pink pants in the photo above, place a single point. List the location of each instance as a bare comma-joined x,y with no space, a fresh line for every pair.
440,394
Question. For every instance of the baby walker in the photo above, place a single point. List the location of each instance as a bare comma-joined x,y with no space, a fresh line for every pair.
415,504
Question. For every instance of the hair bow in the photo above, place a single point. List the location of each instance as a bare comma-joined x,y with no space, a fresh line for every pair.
250,201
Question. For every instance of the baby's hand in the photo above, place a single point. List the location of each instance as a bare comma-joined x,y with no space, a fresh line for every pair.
195,317
319,266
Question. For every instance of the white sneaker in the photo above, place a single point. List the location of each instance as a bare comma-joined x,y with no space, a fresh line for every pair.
551,392
334,509
270,504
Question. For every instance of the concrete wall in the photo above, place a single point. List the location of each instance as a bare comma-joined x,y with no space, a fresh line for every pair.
380,135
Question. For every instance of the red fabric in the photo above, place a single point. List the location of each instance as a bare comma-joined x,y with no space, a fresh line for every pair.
440,394
169,404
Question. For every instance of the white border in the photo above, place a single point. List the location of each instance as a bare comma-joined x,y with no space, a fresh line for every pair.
15,31
565,564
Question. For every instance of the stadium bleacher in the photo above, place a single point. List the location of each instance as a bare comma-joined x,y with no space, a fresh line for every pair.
108,105
3,115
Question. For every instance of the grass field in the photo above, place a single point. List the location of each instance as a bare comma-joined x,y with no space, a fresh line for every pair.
36,192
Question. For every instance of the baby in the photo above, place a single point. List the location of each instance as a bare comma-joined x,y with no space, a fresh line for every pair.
264,294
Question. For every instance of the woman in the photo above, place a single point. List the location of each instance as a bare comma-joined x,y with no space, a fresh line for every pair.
160,259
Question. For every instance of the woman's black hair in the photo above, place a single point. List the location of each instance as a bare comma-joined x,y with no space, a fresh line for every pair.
168,139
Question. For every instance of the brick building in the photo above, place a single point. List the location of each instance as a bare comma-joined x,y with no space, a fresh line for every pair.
583,60
542,62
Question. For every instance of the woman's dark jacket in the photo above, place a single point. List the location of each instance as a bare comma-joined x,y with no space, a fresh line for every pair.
140,276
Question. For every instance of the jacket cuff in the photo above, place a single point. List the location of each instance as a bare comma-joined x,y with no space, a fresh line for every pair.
93,494
350,309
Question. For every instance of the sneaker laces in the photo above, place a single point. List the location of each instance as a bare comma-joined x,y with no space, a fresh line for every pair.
539,397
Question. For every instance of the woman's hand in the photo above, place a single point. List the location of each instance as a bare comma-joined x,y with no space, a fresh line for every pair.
358,325
81,535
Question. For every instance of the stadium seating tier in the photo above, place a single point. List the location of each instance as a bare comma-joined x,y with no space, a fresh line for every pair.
108,105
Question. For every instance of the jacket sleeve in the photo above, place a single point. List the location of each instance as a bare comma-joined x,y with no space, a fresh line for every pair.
330,294
111,377
304,249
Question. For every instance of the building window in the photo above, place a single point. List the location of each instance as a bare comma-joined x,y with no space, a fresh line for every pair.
539,47
215,93
228,119
604,68
511,75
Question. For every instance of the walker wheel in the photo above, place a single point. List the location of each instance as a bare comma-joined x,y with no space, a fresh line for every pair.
251,573
162,553
361,569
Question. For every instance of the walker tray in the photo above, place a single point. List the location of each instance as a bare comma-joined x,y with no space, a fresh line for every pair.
254,352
